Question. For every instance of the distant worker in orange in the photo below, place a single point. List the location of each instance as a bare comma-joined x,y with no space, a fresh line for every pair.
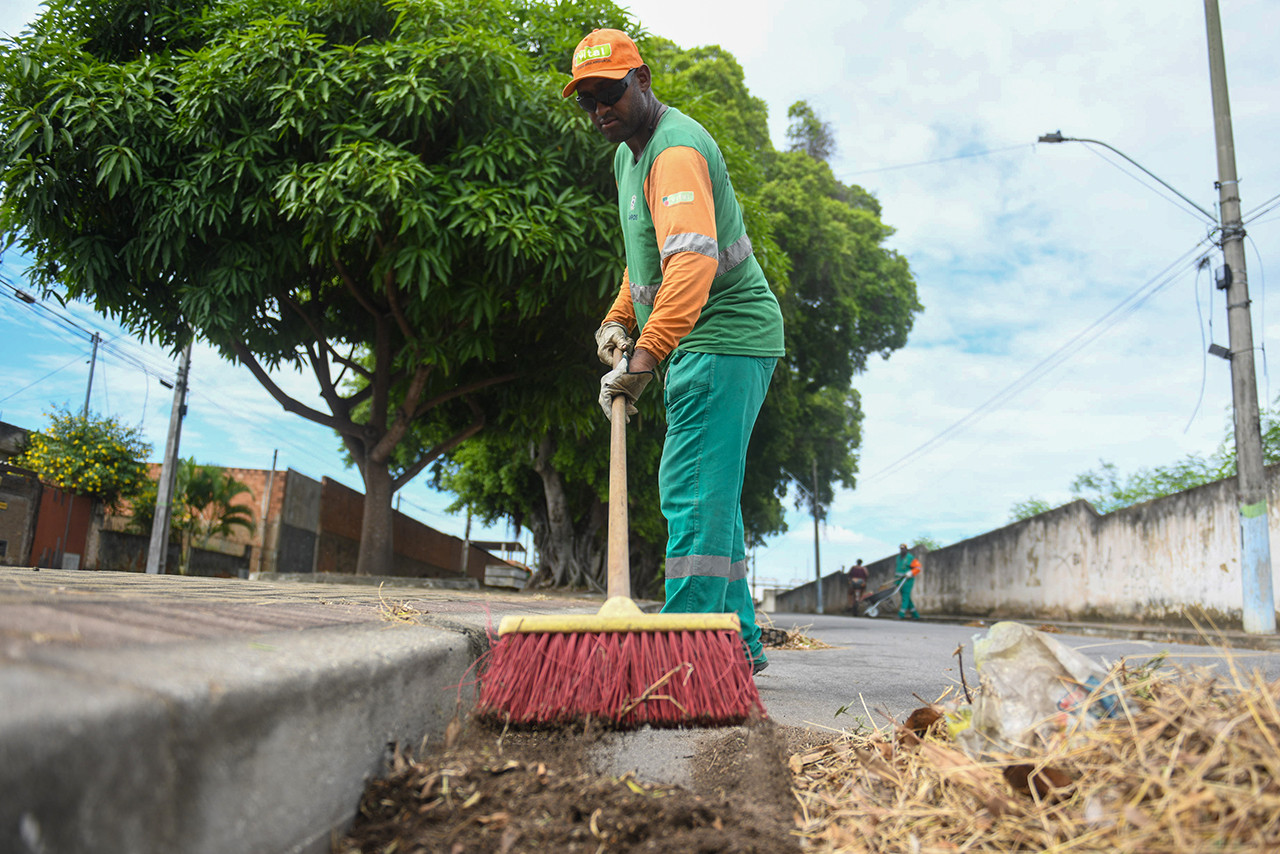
907,567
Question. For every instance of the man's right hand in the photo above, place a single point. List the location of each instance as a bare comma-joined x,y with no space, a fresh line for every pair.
611,338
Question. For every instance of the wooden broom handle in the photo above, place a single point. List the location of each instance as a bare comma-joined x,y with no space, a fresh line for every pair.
619,554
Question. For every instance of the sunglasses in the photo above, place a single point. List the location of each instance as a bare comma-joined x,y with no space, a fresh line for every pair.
609,96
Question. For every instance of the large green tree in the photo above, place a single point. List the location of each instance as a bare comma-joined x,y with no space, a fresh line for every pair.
382,192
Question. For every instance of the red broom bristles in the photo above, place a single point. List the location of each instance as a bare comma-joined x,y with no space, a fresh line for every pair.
664,679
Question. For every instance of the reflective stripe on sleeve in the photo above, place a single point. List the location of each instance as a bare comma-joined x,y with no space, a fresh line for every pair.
690,242
738,251
643,294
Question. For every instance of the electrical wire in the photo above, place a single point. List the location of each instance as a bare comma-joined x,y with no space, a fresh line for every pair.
1201,265
1075,344
1266,206
937,160
1262,327
45,377
1179,203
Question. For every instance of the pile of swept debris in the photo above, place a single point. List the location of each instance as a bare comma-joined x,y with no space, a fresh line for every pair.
1145,760
773,637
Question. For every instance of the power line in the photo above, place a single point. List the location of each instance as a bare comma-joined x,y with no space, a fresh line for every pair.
947,159
1199,216
1075,344
77,358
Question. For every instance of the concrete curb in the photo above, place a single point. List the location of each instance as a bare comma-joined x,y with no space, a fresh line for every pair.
258,744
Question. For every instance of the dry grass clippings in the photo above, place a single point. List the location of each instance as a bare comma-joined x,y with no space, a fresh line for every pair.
397,612
773,637
1192,766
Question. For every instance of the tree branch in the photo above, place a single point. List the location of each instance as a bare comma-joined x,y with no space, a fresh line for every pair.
351,286
461,390
440,450
247,358
389,285
323,340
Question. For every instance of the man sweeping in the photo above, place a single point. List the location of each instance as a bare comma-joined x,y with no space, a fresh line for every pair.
906,569
699,301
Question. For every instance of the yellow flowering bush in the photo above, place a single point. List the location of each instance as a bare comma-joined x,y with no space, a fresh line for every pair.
89,456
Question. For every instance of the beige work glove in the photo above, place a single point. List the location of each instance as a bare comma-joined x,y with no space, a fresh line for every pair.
626,383
610,338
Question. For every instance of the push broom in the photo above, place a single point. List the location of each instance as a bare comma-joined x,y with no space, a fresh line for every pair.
621,666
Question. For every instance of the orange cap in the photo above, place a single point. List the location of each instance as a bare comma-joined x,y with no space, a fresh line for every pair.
603,53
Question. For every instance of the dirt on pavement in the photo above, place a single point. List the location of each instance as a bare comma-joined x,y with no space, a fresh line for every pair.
527,791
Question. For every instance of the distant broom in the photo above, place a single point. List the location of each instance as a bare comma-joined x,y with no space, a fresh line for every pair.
621,666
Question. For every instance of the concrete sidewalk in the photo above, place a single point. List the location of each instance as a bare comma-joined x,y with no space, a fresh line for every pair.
162,713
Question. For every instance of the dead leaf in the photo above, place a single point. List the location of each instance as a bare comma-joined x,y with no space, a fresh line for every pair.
921,719
451,732
1050,783
877,766
509,838
1136,817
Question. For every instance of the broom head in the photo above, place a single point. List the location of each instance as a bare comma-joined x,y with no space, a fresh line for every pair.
621,667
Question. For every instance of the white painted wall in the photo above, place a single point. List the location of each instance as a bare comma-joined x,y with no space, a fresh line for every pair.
1154,562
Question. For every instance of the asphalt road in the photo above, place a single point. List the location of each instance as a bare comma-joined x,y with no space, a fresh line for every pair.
879,670
883,663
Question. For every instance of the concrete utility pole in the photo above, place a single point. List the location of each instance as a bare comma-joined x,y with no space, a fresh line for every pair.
93,363
817,557
1255,546
158,552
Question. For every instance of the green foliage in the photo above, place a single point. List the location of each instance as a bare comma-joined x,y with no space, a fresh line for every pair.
808,133
927,543
848,298
89,456
1026,509
1108,490
203,507
390,190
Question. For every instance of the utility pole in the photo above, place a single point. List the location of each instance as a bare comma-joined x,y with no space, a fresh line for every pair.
1255,548
158,552
817,557
93,362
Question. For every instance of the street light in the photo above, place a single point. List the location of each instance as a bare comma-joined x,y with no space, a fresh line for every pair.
1057,136
1257,597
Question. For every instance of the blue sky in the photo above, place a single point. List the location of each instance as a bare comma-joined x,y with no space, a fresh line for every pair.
1016,252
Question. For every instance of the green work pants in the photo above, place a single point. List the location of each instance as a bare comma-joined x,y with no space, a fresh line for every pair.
907,608
712,402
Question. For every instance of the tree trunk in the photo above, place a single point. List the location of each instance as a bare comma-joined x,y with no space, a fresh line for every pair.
377,550
573,554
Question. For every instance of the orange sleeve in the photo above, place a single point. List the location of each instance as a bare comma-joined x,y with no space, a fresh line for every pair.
622,311
678,191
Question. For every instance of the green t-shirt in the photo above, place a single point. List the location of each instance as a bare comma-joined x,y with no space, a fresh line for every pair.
741,316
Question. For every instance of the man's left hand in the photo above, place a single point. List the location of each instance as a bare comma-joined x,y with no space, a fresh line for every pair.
629,384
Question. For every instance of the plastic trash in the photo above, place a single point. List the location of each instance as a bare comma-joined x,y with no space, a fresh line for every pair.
1033,688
